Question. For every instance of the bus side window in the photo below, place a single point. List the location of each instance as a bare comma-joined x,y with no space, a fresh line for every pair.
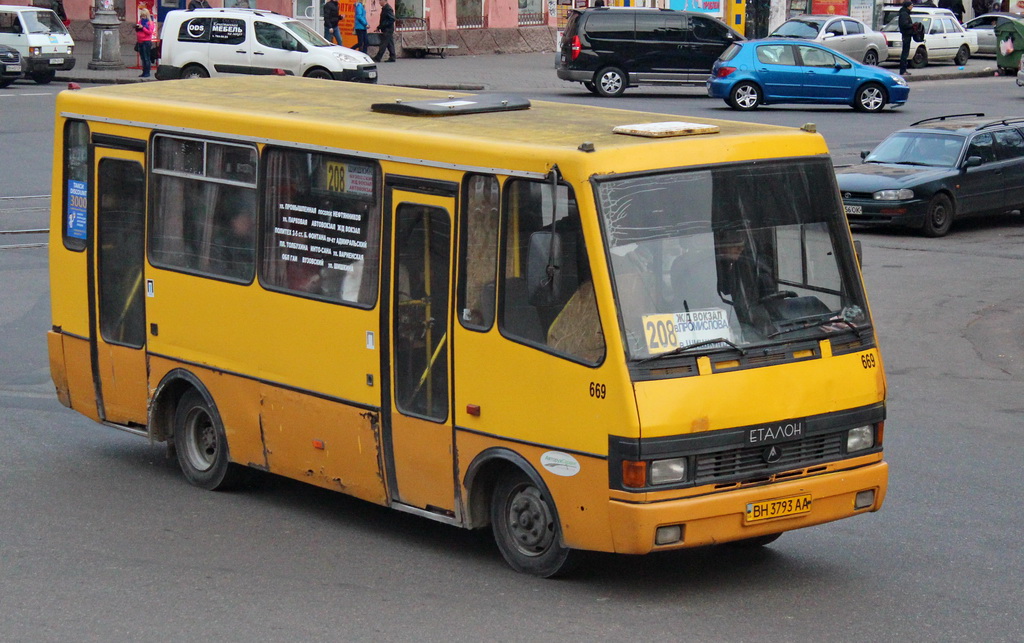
478,260
547,294
76,185
204,214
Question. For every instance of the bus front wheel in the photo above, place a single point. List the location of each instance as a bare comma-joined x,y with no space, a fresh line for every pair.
201,446
526,528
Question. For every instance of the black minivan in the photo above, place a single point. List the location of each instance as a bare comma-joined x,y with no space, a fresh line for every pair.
608,49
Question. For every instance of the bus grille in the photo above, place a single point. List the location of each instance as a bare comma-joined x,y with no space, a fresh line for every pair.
747,462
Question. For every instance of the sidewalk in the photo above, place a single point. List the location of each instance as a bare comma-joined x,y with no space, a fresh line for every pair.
496,72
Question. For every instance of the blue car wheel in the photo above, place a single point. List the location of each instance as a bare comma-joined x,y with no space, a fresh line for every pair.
745,96
870,98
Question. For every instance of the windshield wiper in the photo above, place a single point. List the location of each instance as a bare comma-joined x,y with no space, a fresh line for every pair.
680,350
803,323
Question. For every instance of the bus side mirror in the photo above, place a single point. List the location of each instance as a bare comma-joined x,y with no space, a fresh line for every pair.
544,269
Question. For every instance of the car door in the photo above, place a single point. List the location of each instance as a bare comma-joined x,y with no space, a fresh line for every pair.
855,42
935,39
275,48
823,75
1010,154
661,46
981,187
229,46
956,37
708,39
834,37
777,69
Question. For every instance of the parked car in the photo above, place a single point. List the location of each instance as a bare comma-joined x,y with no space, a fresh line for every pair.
936,171
10,65
844,34
211,42
983,27
610,49
765,72
41,39
944,38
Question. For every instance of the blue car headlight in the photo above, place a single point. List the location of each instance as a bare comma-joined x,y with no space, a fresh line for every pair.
893,195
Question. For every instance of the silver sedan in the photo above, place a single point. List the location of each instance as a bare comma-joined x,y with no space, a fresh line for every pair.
985,26
842,33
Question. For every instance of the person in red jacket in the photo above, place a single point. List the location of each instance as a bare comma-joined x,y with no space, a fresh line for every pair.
144,41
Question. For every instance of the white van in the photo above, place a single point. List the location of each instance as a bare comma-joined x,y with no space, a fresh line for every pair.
45,45
200,43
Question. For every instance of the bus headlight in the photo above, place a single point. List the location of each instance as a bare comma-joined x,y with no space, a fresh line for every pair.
894,195
667,471
860,438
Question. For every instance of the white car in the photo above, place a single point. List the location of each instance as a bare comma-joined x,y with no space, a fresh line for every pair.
200,43
38,34
944,38
844,34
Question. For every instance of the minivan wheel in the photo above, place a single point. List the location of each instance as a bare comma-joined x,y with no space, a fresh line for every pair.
194,71
43,77
591,87
319,74
745,96
5,82
610,81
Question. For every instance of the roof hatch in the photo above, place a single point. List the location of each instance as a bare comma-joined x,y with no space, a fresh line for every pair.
453,105
665,129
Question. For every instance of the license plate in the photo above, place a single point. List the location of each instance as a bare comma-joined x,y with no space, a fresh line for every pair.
778,508
14,67
56,61
853,209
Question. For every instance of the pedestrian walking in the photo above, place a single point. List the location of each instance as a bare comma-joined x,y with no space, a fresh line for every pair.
386,27
331,18
198,4
144,31
906,26
361,26
980,7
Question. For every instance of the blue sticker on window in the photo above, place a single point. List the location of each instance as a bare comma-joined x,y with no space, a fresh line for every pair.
78,207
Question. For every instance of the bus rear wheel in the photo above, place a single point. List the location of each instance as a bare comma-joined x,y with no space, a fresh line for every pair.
201,446
526,528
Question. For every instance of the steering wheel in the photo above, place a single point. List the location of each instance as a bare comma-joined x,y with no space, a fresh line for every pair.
782,294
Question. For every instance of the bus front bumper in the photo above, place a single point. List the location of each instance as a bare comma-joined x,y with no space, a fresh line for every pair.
722,517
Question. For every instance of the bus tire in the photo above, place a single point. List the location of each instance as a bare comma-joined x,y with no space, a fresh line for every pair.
526,528
201,446
755,542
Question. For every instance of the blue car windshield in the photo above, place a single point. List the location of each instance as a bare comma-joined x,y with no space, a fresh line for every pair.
918,148
798,29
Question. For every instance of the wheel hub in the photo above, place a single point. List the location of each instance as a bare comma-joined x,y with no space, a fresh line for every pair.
530,522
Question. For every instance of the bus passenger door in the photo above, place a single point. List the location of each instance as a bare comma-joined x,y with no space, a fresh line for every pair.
119,332
416,361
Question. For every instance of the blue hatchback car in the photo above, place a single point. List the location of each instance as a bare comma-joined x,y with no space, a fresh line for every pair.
779,70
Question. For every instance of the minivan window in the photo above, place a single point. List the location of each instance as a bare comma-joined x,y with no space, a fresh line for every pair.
306,35
43,22
611,25
707,29
660,27
275,37
224,31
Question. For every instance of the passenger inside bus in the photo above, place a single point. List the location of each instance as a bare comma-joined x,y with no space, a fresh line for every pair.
744,280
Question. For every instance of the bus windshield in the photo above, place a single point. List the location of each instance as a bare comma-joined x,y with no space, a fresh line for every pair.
731,256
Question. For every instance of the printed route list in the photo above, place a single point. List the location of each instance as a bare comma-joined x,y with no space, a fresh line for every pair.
320,237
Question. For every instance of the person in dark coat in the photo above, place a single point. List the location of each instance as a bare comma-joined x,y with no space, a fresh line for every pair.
198,4
906,26
331,18
956,6
386,27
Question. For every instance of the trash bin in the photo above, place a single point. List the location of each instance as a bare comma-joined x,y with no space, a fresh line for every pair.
1009,45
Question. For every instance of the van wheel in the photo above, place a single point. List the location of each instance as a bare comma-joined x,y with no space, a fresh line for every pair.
940,216
920,58
6,82
745,96
319,73
871,57
610,81
591,87
526,528
43,77
201,446
962,55
870,98
194,71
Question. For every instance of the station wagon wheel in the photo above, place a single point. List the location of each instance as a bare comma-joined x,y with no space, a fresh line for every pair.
962,55
526,528
940,216
745,96
919,59
201,446
319,73
870,98
194,71
591,87
610,81
871,57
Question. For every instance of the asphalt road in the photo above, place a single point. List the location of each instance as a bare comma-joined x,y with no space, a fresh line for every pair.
102,540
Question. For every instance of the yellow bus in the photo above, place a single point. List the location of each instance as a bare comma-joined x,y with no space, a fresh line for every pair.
585,328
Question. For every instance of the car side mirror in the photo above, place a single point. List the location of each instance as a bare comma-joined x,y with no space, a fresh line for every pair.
864,154
972,161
